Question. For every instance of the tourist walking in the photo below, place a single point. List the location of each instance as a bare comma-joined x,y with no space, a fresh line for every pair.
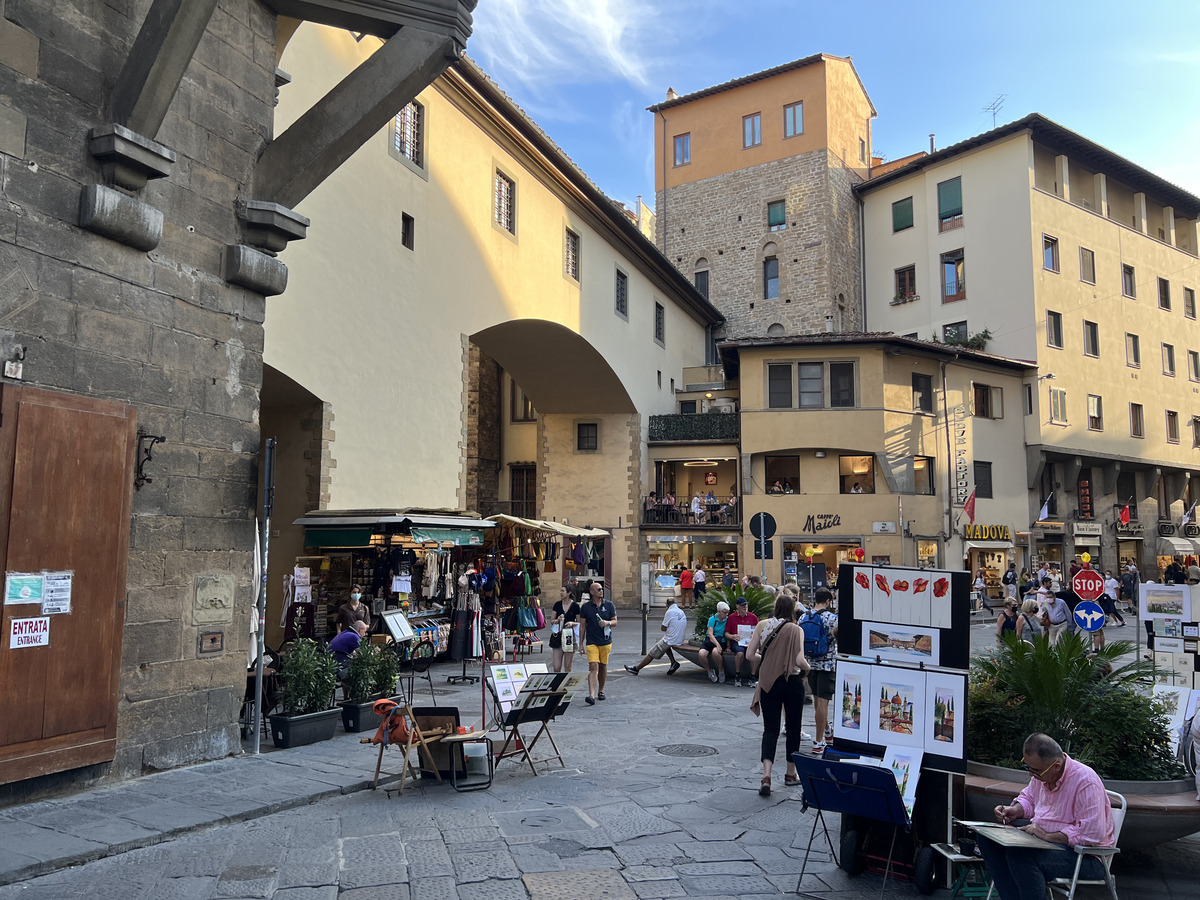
599,616
780,642
564,630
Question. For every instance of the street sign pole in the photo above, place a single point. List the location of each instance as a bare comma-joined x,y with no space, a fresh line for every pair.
762,547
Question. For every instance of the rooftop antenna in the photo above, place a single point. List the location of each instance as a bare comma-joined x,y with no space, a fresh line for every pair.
995,106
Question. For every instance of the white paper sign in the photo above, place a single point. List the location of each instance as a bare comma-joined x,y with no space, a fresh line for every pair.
303,594
29,632
301,575
56,593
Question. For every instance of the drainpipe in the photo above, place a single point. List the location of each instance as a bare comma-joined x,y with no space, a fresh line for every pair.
862,262
662,217
949,451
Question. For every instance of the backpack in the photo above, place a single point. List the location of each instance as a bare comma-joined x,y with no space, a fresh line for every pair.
816,636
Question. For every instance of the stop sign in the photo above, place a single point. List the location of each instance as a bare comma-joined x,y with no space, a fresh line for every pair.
1088,584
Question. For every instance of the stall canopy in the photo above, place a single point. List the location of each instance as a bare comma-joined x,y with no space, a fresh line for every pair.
350,528
1175,546
987,545
550,527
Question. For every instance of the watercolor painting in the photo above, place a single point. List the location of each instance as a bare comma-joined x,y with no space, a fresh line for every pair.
897,706
900,643
851,718
946,705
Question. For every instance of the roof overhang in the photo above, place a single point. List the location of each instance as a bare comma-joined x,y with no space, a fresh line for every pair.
383,18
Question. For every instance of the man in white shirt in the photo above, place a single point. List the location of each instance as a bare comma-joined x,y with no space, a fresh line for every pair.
674,623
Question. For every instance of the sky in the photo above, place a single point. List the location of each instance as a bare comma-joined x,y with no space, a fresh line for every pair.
1121,73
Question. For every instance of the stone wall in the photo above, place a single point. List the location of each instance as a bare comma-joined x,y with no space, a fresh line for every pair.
481,456
724,220
161,330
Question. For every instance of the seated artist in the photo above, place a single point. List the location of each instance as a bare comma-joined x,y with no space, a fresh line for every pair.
1067,805
345,644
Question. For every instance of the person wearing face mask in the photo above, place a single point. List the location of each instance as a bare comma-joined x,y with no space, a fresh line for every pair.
354,610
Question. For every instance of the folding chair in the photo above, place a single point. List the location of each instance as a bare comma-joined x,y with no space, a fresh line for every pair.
1066,886
416,738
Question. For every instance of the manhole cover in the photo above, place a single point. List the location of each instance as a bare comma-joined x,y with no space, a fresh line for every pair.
690,751
541,821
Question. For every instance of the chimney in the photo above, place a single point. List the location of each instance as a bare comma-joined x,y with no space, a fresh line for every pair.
829,324
671,95
931,143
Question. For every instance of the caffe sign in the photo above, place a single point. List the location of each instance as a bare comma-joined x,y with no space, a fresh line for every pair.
987,533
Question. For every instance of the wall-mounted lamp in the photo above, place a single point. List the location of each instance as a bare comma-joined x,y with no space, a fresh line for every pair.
1049,376
708,395
820,454
145,453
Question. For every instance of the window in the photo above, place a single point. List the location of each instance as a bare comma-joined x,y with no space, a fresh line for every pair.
841,385
701,279
408,230
1095,413
1091,338
1189,303
587,436
523,491
1028,399
505,202
1137,422
771,278
989,401
923,480
522,408
1087,265
683,149
922,388
783,471
954,332
857,474
1195,431
687,407
408,134
954,285
779,387
1164,294
1193,365
622,294
1054,334
902,214
950,204
862,150
777,215
906,283
983,480
793,120
1128,281
1058,406
1168,355
1133,351
1172,427
1049,253
752,130
571,254
660,323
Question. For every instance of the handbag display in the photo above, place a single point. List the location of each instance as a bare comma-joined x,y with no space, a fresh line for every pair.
541,618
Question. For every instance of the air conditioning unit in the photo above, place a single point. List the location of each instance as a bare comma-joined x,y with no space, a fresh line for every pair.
722,404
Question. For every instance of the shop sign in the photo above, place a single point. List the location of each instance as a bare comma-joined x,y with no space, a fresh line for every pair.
1190,530
29,632
987,533
883,528
1131,529
1088,529
821,522
1085,498
1051,528
1166,529
962,456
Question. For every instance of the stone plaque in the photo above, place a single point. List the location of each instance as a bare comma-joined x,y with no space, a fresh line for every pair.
212,598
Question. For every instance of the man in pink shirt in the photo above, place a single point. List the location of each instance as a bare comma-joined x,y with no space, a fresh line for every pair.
1066,804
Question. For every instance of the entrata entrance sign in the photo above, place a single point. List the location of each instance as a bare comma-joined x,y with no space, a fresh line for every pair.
1088,584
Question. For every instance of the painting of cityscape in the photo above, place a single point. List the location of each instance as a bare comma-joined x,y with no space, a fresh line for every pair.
945,698
900,643
853,685
1166,601
897,707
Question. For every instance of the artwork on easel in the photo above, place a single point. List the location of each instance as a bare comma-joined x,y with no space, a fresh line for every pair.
905,764
896,707
901,643
853,681
945,701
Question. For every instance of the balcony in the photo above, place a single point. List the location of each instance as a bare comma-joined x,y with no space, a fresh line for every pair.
714,515
710,427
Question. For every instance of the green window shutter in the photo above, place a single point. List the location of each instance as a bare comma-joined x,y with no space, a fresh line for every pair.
902,214
950,198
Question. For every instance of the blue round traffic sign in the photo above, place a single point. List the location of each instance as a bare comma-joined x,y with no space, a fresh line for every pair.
1089,616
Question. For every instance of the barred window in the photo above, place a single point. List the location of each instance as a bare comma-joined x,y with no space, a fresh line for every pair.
571,254
505,202
408,133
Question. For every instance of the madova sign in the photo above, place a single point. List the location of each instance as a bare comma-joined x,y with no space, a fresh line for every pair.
987,533
1088,584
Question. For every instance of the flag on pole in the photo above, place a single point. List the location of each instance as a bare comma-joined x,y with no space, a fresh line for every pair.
969,508
1125,514
1187,516
1045,508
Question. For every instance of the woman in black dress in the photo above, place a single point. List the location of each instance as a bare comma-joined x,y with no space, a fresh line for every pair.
564,615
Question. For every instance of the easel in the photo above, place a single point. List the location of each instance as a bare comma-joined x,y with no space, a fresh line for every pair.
551,703
416,738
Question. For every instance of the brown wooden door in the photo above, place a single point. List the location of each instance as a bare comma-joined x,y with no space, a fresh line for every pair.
66,472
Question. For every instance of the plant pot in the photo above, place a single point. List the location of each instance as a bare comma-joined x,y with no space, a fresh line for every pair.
358,717
296,731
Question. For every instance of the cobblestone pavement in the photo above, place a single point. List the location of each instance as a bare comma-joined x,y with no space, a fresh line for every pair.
622,820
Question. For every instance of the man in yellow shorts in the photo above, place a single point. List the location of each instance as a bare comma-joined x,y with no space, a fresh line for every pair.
599,616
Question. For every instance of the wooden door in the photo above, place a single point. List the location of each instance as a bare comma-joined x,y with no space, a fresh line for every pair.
66,473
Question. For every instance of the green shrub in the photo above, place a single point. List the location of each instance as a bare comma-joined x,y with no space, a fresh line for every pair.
308,677
1088,703
387,671
371,672
759,602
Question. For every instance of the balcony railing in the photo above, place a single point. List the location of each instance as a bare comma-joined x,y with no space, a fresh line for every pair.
722,427
714,515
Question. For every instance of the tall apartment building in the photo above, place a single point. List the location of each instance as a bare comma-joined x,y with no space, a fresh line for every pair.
1071,256
754,185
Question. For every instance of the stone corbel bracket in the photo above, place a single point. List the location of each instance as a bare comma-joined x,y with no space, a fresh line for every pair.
269,226
109,212
128,159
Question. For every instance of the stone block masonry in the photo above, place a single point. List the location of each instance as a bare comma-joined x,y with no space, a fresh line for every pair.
160,330
723,221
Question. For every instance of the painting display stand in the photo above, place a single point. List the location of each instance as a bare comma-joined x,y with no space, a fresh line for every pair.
540,710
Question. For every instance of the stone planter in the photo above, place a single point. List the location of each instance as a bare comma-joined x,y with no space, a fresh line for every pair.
296,731
1159,811
357,717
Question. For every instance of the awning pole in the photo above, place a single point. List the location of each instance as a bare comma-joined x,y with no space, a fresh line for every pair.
261,610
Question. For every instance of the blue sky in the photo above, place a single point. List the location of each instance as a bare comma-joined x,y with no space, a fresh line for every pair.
1124,74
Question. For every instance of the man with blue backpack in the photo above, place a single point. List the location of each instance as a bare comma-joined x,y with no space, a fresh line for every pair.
820,647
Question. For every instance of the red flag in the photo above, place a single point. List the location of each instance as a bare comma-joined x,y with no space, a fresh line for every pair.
1125,514
969,508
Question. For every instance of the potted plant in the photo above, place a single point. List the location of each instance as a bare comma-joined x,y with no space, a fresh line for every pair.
371,674
308,679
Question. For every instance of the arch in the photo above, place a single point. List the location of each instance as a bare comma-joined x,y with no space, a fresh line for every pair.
701,263
774,330
560,371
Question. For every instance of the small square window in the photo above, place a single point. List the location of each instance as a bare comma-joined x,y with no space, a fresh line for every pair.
622,294
660,323
1095,413
1049,253
571,254
1091,338
771,278
988,401
408,230
1193,365
1128,281
1133,351
683,149
922,391
752,130
1054,329
1058,406
587,436
954,333
902,214
1168,359
923,475
1087,265
1137,421
906,283
857,474
505,202
1189,303
1164,294
793,120
777,215
408,133
782,474
687,407
1172,427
